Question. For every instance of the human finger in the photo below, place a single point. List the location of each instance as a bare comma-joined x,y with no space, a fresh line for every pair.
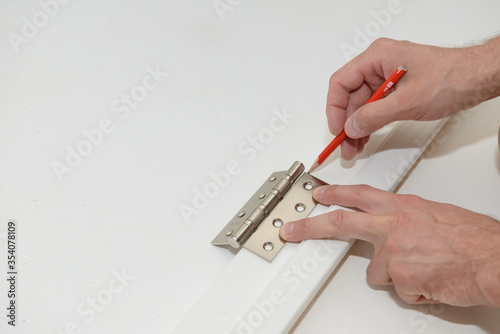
361,196
377,272
409,297
369,69
359,225
373,116
412,296
349,148
342,83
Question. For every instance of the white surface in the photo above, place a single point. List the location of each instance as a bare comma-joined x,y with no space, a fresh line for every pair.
119,208
253,296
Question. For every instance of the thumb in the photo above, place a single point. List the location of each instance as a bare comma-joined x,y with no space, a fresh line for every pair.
373,116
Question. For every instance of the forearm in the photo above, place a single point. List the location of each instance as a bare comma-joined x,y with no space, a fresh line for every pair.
488,278
489,284
488,69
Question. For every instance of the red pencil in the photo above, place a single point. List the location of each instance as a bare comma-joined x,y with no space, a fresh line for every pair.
391,81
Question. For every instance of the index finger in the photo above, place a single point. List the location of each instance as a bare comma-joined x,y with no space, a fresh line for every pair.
343,83
361,196
338,223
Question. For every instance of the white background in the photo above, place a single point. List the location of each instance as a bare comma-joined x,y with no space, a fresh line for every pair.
118,210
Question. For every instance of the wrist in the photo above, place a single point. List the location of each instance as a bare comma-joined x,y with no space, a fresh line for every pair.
488,276
487,69
488,282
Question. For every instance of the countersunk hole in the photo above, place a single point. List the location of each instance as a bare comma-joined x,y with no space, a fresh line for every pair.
272,178
300,207
308,185
277,222
261,196
268,246
241,214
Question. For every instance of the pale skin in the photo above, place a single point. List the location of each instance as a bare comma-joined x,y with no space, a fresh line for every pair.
431,252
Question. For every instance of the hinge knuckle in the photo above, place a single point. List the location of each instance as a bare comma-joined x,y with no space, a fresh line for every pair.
278,200
255,217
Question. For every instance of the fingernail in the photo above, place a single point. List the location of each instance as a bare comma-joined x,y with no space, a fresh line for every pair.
352,128
319,191
287,229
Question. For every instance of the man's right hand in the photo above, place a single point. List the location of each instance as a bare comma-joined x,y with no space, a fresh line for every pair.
439,83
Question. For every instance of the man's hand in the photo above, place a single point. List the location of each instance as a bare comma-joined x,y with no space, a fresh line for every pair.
431,252
439,82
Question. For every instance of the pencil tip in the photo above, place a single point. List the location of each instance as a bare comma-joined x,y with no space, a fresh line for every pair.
313,167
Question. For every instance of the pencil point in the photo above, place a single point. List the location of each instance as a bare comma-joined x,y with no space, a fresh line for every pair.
313,167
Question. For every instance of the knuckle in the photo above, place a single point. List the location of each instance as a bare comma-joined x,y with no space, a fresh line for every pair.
376,272
382,43
360,189
403,273
409,200
392,248
336,219
404,44
371,275
396,274
332,80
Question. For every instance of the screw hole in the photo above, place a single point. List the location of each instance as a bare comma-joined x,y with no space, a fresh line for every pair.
308,185
241,214
261,196
300,207
268,246
277,222
272,178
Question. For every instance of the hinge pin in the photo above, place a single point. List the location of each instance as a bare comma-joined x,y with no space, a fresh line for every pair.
266,205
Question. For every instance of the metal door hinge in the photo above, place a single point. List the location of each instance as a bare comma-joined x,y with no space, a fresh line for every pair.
285,196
